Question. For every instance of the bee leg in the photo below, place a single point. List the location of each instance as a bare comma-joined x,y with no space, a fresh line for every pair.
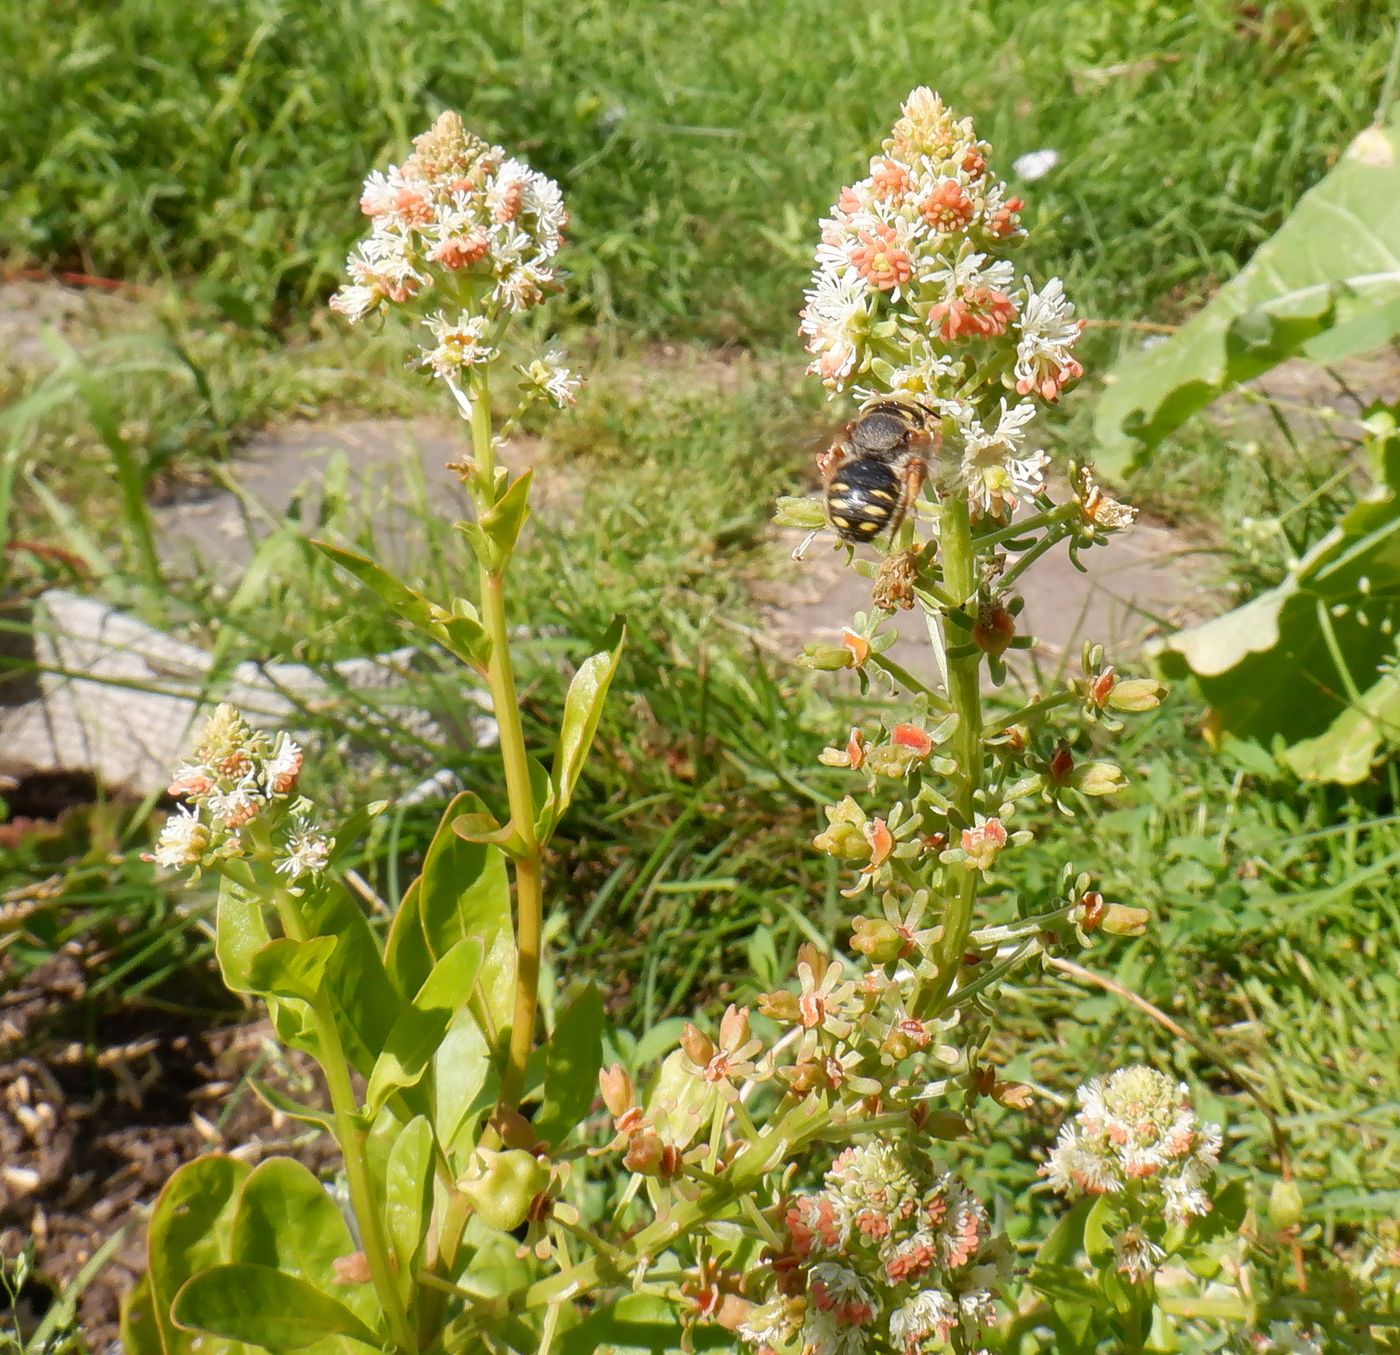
913,482
831,460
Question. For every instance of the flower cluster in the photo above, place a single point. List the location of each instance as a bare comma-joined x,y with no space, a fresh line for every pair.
909,296
890,1247
463,224
240,776
1137,1132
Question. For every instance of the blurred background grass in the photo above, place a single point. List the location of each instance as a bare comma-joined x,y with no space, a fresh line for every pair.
210,156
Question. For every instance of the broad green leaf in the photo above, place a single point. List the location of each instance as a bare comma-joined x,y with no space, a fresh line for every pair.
265,1307
286,1220
1327,284
190,1229
240,931
571,1062
406,955
463,892
583,707
294,969
138,1331
420,1028
1066,1239
1270,669
408,1196
1099,1229
462,1086
366,1002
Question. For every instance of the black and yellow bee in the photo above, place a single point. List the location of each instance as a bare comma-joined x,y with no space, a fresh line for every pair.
874,470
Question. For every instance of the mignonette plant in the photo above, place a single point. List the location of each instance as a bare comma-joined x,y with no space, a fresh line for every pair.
788,1181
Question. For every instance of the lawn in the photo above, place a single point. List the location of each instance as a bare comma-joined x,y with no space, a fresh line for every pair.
210,166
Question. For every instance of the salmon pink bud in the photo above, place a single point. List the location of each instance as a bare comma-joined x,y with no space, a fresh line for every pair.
619,1093
858,646
645,1153
733,1027
1089,911
1101,687
983,842
881,842
994,630
913,738
698,1046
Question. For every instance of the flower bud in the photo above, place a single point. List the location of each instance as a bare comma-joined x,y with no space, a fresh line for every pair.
502,1185
897,1045
779,1006
645,1153
881,942
889,760
824,658
803,512
1285,1206
733,1027
1061,764
619,1093
994,630
1097,778
856,645
1137,694
1121,920
698,1046
881,841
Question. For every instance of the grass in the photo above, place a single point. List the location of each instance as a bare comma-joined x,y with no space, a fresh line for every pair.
696,145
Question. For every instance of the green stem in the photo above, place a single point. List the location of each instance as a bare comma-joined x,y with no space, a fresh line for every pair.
1027,558
350,1136
529,895
1035,708
965,693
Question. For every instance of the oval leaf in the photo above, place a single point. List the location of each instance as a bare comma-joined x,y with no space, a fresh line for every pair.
264,1307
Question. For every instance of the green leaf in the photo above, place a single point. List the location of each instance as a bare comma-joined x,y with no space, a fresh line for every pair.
240,931
1066,1239
138,1331
1271,668
190,1228
572,1059
639,1324
264,1307
407,958
459,632
279,1101
583,707
1099,1228
503,521
463,892
287,1221
1327,284
421,1027
295,969
408,1196
462,1086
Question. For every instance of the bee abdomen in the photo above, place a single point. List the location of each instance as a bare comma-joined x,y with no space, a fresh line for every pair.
861,499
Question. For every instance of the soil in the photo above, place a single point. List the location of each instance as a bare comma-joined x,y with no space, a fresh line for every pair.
91,1129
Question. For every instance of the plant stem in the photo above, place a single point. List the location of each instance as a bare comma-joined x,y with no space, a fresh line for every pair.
965,693
529,900
350,1136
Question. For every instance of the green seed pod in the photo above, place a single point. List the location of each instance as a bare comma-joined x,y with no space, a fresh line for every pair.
502,1185
1133,695
1285,1206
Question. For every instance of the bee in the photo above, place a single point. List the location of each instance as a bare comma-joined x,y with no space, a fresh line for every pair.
875,469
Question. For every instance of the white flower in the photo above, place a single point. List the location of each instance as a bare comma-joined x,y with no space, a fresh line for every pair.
833,322
1044,354
281,770
1035,165
548,375
822,1334
183,840
238,805
1138,1256
930,1313
307,852
965,274
459,344
994,467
